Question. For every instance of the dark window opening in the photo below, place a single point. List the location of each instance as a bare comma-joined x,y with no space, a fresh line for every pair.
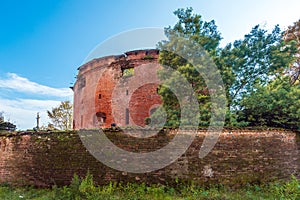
126,92
127,116
99,96
101,117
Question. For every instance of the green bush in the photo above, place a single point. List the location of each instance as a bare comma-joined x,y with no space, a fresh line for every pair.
85,189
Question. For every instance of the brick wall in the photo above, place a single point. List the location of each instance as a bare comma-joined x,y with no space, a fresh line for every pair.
239,157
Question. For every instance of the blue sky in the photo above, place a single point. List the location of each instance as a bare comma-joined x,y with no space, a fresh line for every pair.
42,43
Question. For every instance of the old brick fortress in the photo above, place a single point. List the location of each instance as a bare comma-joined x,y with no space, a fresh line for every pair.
239,158
105,91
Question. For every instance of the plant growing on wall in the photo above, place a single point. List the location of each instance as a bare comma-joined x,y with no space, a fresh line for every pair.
148,57
128,72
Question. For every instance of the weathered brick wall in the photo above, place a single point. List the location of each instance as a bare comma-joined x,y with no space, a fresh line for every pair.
239,157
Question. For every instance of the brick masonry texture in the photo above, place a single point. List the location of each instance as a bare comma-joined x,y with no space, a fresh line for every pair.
239,157
100,79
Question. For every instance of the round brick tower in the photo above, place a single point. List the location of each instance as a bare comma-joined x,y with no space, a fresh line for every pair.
112,90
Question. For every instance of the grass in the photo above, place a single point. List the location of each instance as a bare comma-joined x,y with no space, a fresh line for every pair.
86,189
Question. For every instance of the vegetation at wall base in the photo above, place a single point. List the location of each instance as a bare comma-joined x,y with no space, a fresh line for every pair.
84,188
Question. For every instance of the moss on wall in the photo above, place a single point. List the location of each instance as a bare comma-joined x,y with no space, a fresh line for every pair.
239,157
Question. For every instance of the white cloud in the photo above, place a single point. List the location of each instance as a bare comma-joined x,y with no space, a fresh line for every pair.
20,84
22,111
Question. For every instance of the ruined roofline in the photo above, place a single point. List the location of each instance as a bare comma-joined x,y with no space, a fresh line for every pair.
117,57
146,51
96,60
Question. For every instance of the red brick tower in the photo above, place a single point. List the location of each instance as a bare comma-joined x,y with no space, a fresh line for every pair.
111,90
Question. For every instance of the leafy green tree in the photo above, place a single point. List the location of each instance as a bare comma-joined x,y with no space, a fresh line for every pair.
245,65
62,116
192,27
255,60
1,117
6,126
276,104
292,35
